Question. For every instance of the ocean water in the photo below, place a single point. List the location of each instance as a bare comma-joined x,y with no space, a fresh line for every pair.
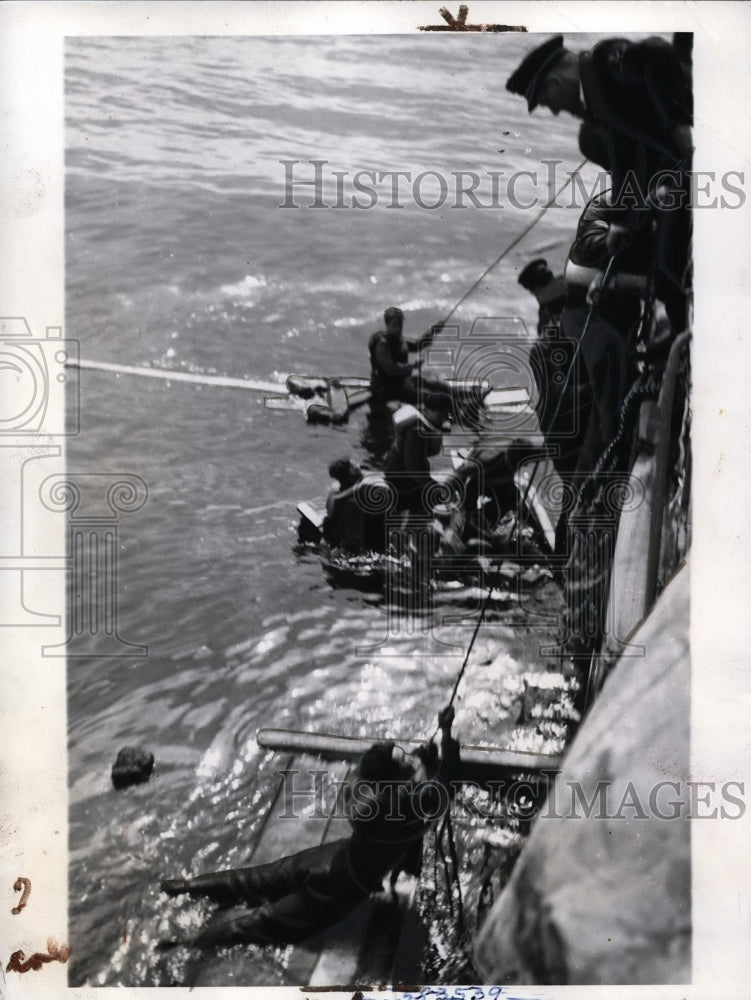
179,254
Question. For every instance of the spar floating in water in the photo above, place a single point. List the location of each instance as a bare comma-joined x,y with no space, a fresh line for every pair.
322,399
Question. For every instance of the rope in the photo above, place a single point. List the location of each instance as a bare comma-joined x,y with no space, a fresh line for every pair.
514,243
486,600
574,358
447,825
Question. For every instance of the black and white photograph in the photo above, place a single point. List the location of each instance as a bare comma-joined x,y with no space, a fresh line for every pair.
374,523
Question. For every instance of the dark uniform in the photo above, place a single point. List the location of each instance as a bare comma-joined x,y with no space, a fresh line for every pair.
607,346
351,522
390,369
637,108
549,291
307,892
562,396
407,465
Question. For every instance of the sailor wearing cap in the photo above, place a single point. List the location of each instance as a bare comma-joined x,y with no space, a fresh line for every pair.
630,95
636,105
549,75
549,291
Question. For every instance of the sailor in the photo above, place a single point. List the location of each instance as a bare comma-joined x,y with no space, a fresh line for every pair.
549,291
486,481
393,376
418,437
557,401
393,800
636,107
351,522
632,97
581,414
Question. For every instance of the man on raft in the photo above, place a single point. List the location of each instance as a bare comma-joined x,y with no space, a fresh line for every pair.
392,801
393,376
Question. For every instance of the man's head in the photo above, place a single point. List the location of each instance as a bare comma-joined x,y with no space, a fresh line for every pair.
535,275
549,75
393,317
437,408
345,472
386,762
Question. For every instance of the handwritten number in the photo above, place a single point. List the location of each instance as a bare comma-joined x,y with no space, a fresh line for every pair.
25,885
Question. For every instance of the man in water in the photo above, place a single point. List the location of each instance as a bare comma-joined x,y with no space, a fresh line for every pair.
350,520
393,800
393,376
418,437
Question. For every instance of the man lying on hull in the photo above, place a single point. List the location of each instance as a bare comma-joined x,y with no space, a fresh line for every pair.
393,800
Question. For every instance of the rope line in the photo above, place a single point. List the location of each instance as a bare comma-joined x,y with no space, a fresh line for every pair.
564,387
486,599
515,242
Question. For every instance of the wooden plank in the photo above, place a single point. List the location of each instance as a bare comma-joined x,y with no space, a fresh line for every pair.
524,479
476,760
194,378
338,961
497,398
627,599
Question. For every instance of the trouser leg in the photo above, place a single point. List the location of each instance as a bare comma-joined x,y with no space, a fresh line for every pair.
261,882
293,918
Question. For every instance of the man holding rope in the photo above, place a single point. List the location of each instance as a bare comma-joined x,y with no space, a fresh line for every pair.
393,376
392,802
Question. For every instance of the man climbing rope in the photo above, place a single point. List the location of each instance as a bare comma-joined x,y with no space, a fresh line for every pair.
393,800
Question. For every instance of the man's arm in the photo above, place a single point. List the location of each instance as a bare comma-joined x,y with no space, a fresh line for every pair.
619,283
426,339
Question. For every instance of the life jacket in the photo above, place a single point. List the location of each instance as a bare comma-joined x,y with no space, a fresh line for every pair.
352,522
380,380
408,417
